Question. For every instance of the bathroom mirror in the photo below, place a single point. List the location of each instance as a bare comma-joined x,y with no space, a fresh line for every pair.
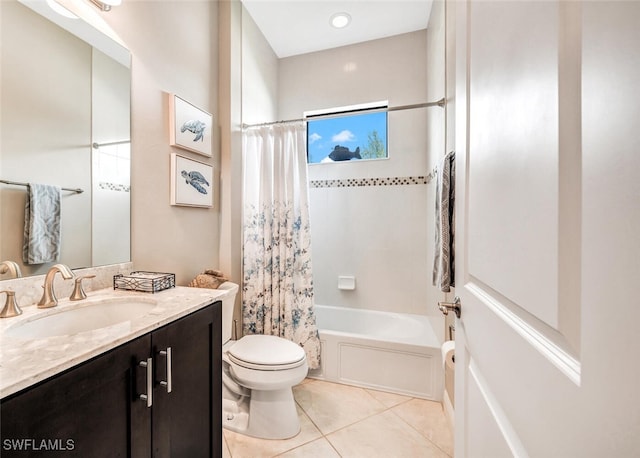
65,121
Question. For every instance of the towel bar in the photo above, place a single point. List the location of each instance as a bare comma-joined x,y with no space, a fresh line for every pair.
17,183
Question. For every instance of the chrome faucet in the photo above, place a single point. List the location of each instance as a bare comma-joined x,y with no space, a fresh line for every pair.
11,267
48,298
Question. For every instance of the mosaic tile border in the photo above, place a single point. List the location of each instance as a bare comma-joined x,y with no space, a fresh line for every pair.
360,182
114,186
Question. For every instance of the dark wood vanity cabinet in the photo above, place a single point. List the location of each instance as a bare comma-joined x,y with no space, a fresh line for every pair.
95,410
88,410
187,422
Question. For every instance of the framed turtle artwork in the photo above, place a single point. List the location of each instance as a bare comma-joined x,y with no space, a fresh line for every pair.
191,182
190,127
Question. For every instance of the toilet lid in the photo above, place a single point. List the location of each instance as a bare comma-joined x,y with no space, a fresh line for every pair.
266,352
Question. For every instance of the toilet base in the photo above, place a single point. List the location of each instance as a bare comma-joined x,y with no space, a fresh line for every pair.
266,415
235,415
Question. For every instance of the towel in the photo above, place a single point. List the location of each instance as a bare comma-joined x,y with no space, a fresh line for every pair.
443,258
41,224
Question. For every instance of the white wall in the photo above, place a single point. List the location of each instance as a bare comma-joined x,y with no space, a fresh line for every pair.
174,46
259,74
230,113
376,233
437,145
248,88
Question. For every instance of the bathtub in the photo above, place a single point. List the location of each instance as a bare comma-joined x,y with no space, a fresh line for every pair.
386,351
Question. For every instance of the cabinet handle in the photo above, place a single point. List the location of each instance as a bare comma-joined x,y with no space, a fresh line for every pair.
167,383
149,395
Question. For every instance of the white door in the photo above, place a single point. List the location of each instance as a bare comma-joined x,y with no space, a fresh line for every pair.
548,228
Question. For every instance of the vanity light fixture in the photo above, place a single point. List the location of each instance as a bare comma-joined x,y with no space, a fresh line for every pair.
61,10
105,5
340,20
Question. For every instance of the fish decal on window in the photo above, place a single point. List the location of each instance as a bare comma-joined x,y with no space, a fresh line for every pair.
342,153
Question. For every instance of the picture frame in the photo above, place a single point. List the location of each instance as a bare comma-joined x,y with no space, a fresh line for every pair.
190,127
191,182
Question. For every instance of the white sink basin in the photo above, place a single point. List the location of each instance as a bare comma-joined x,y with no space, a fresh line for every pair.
86,316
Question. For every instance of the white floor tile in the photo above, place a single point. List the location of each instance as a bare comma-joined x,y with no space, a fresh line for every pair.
385,436
332,406
225,448
242,446
320,448
340,421
388,399
429,419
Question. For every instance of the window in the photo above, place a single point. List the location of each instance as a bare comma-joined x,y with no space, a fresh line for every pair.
357,132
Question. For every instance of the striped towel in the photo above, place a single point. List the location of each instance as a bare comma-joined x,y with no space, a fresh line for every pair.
41,224
443,258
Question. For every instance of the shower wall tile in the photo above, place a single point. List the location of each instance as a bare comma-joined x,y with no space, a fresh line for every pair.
376,181
369,218
378,235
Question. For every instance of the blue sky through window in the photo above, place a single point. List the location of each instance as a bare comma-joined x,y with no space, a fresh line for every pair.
349,132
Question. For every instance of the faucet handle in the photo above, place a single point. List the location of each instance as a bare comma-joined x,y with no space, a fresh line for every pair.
11,307
78,291
10,267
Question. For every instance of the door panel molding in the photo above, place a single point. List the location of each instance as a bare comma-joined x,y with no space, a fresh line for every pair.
546,340
513,150
486,404
570,172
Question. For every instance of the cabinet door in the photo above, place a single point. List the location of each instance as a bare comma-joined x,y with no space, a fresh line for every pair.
187,421
90,410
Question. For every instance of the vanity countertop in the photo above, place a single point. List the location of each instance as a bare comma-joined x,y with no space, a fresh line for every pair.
26,362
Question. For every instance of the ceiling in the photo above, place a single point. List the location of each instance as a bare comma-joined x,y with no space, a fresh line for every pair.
301,26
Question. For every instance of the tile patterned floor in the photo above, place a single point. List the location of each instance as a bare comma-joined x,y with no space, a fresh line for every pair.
350,422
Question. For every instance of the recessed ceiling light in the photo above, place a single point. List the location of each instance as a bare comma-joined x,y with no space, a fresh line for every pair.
340,20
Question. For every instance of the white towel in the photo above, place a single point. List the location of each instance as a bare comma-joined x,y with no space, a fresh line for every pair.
443,258
41,224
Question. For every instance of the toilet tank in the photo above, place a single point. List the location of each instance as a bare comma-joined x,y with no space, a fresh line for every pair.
228,303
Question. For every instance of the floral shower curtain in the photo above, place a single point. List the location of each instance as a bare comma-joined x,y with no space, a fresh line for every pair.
277,293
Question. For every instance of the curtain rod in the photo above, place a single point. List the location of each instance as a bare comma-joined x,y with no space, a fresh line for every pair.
440,103
16,183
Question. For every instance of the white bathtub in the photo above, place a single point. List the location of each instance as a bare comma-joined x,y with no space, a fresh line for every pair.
385,351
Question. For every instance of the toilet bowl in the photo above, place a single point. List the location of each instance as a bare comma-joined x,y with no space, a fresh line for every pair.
258,374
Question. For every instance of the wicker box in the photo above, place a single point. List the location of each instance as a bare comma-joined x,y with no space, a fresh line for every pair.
148,282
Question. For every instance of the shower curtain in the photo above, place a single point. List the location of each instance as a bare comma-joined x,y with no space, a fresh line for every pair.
277,292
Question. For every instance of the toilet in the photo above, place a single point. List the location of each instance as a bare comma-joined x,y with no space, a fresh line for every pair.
258,373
